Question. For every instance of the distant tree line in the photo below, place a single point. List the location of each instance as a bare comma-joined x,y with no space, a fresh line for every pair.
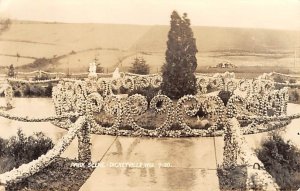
4,25
139,66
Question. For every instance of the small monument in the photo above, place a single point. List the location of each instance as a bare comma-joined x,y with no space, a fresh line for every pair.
116,74
92,70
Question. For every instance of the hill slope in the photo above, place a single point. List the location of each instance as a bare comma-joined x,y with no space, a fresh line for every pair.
24,44
224,39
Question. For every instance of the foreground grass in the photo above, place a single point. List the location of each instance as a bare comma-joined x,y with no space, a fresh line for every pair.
60,175
282,160
21,149
234,179
57,176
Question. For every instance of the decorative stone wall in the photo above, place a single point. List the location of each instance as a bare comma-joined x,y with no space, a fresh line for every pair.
2,187
93,96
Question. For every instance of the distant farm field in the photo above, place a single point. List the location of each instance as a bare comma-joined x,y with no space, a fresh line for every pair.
62,47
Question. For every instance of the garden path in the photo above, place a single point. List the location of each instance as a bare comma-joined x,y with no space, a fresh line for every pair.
160,164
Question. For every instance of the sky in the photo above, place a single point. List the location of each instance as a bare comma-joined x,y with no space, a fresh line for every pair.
277,14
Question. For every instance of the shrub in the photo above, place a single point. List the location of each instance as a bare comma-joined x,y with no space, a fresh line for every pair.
11,71
21,149
210,88
4,24
278,79
37,90
17,93
27,91
42,77
48,90
39,62
225,96
2,147
148,92
139,66
294,96
99,69
282,160
292,81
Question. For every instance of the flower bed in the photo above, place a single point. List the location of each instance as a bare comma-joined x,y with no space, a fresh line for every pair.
134,115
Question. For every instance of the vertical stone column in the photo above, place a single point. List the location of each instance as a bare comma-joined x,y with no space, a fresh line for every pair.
232,143
8,92
84,143
2,187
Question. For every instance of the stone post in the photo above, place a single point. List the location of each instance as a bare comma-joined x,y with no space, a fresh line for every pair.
2,187
8,92
232,141
84,143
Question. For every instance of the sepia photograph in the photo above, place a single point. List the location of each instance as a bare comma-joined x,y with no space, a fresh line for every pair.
152,95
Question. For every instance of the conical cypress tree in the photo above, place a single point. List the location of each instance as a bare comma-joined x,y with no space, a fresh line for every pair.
181,62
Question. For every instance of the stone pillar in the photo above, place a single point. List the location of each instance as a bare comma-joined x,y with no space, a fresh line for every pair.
232,143
2,187
84,143
8,92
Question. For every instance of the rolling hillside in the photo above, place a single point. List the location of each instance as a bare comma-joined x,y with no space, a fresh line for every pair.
225,39
62,45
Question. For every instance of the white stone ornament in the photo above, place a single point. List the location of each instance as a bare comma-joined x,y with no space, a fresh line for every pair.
92,70
116,74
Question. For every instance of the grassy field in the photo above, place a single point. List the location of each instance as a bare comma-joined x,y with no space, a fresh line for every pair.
73,46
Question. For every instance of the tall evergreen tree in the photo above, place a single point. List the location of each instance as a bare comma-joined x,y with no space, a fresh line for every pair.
181,62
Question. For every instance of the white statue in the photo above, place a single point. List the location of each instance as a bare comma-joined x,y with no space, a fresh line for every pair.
92,70
116,74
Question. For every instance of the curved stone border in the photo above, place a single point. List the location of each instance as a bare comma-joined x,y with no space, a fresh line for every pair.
36,119
248,130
